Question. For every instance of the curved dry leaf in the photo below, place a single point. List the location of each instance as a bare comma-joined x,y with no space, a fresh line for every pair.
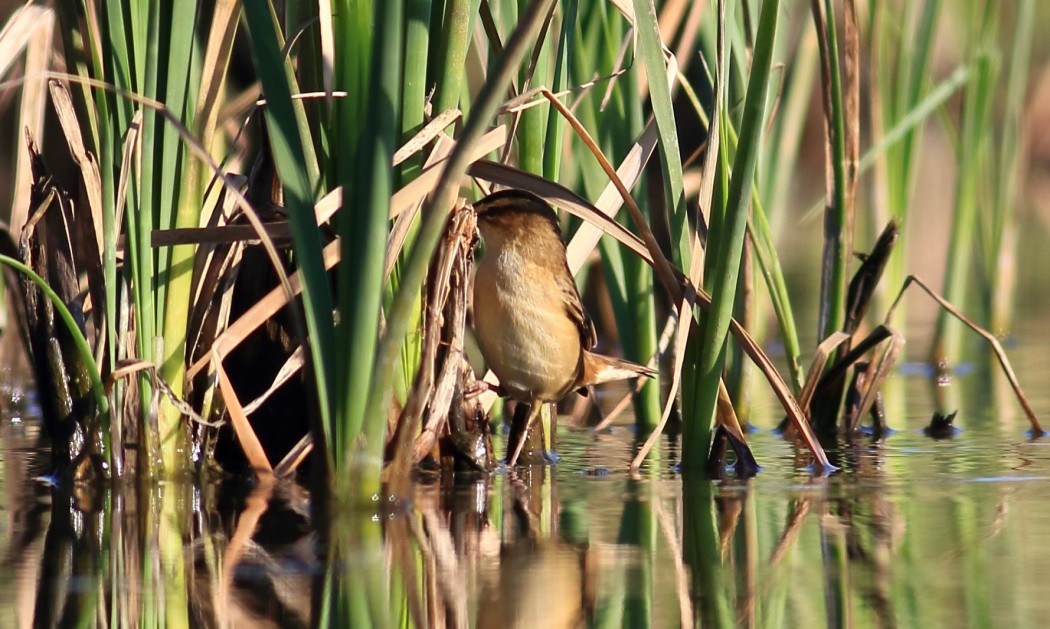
609,201
89,172
246,436
816,369
1000,353
37,24
426,134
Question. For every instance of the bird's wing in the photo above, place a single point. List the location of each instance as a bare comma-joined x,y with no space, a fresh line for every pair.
574,306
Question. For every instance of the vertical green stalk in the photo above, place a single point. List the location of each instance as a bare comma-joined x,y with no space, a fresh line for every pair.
114,120
171,544
555,124
972,143
1001,257
180,207
413,102
638,529
702,554
837,587
359,439
141,220
837,223
723,260
290,161
456,28
910,51
629,279
651,52
532,127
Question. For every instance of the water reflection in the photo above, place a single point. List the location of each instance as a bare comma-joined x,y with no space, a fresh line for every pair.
912,532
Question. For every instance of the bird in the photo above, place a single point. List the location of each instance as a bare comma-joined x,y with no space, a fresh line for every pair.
529,320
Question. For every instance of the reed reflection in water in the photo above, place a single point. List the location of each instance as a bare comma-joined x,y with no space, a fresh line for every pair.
902,537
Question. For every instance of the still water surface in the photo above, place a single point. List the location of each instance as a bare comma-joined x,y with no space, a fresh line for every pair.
913,532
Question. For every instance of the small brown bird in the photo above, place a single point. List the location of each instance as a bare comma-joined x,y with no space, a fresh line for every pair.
530,322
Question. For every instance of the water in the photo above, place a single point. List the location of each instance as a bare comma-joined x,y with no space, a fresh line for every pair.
911,532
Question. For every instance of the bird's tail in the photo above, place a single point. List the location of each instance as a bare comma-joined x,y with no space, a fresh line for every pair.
598,369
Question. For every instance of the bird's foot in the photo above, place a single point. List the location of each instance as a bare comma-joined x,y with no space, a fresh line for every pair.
476,388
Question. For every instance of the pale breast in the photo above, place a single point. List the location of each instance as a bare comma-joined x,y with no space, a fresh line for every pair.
522,328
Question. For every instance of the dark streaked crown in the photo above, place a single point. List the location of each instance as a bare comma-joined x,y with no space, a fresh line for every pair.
514,205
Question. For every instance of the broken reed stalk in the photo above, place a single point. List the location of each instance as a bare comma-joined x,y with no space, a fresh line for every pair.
997,348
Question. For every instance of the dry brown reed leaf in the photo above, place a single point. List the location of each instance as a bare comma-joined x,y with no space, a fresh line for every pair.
212,266
214,278
725,414
609,201
255,506
431,130
685,50
284,374
418,189
89,172
660,263
223,30
19,31
399,232
875,375
528,100
246,436
1000,353
202,154
258,314
792,531
685,600
610,85
820,359
671,18
430,393
278,231
328,205
88,226
295,457
324,15
127,161
681,339
31,29
127,368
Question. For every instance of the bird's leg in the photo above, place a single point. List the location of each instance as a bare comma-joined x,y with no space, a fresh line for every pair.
534,412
